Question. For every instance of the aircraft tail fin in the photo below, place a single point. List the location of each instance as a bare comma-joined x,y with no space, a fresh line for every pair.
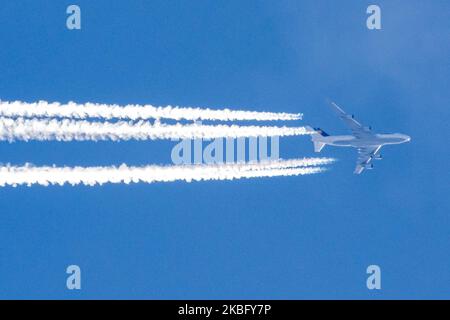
321,132
316,138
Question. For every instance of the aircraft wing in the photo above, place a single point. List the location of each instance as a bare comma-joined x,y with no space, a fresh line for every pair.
358,130
365,156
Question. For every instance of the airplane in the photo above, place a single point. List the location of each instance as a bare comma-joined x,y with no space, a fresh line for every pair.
363,139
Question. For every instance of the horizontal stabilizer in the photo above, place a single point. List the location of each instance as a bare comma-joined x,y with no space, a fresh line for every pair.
318,146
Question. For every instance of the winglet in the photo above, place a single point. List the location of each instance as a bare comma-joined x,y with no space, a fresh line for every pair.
359,168
337,108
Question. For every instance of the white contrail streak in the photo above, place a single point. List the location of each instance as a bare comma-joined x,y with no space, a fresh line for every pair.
29,175
132,112
80,130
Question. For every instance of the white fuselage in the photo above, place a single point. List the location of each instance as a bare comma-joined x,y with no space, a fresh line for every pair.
371,140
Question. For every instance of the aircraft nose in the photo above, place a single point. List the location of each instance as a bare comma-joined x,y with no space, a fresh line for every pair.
407,138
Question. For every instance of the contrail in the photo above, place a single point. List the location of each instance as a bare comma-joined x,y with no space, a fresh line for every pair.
90,176
80,130
132,112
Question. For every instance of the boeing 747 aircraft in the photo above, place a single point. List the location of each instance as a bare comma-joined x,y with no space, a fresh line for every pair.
363,139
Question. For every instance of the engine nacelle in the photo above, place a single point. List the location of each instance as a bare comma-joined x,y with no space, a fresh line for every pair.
377,157
368,166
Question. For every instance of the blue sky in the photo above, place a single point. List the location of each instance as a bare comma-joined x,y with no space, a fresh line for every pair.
282,238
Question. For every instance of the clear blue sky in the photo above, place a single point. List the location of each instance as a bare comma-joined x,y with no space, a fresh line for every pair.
294,237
